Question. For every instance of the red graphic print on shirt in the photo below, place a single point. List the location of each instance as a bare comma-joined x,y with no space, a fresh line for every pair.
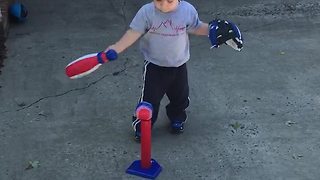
167,28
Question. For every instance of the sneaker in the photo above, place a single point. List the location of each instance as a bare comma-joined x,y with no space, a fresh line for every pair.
137,136
177,127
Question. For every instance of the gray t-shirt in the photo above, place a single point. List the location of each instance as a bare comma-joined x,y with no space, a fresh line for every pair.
165,41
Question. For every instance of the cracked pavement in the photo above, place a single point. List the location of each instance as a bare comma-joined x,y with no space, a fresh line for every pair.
253,114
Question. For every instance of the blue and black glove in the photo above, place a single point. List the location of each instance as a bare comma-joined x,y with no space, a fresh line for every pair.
222,31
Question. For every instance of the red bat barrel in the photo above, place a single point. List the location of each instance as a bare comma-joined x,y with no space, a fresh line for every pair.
89,63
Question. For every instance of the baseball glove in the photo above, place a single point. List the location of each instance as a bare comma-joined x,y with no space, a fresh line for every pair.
225,32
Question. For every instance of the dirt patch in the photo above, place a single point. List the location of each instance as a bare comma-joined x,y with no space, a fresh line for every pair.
4,28
3,50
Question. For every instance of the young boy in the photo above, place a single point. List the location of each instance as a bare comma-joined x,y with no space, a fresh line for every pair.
163,26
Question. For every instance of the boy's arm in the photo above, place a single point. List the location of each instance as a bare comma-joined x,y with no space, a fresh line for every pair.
202,30
125,41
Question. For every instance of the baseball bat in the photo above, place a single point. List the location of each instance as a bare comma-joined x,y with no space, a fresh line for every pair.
89,63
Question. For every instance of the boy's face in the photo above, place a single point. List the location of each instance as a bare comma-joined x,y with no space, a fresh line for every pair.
166,5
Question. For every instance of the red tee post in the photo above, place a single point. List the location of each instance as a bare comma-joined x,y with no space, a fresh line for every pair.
146,167
144,114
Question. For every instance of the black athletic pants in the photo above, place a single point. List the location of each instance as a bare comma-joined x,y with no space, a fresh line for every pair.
172,81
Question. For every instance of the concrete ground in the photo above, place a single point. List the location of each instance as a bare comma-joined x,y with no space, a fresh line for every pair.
253,114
